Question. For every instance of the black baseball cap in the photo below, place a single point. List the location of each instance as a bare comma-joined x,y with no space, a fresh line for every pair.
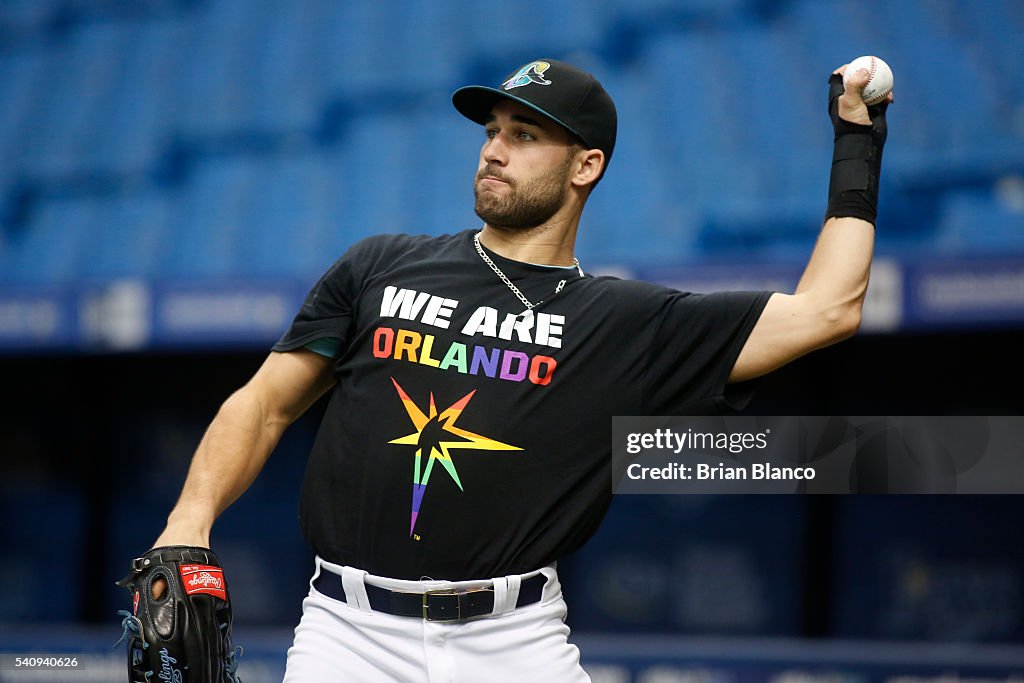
569,96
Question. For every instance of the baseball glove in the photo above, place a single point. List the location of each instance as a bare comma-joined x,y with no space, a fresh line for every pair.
185,634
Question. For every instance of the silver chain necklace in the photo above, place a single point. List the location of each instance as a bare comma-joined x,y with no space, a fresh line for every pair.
508,283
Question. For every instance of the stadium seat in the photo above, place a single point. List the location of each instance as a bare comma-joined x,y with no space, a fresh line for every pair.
23,23
138,113
125,237
65,115
18,73
288,219
512,33
369,48
46,251
207,224
984,220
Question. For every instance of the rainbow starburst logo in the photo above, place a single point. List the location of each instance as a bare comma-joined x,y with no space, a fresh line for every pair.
435,438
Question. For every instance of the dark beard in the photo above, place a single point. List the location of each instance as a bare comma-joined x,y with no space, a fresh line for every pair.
523,207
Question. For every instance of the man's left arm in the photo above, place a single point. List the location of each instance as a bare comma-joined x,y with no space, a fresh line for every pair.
826,306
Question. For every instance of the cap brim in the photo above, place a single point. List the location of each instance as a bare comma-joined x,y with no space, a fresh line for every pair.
475,102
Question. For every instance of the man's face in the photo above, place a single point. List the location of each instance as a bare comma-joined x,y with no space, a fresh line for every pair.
523,177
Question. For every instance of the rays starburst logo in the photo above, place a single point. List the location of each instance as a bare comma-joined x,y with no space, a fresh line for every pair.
436,436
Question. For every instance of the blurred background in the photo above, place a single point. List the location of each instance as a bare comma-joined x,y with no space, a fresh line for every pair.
175,174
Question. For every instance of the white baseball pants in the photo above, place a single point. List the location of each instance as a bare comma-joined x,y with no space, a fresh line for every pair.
347,641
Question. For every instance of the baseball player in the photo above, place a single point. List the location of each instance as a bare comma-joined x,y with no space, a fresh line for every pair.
472,376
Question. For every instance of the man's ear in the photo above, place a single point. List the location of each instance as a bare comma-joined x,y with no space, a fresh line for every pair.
590,163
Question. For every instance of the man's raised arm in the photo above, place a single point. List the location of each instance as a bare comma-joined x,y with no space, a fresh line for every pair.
826,306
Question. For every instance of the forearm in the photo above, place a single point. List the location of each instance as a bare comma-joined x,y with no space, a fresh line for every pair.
230,456
836,277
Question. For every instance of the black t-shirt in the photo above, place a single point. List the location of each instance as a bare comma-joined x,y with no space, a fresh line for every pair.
468,439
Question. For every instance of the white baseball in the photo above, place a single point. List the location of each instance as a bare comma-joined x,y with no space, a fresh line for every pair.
879,85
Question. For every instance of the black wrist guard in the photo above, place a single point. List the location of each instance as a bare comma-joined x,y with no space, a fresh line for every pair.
856,161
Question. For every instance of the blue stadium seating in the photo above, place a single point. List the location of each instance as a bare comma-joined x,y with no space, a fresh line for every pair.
1000,59
21,21
266,136
125,237
217,74
137,114
388,47
289,220
63,117
982,220
207,225
518,32
47,253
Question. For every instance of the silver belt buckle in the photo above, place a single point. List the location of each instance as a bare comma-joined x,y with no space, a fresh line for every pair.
442,591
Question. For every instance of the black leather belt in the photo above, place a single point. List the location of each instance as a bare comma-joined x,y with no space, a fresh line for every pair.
434,605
